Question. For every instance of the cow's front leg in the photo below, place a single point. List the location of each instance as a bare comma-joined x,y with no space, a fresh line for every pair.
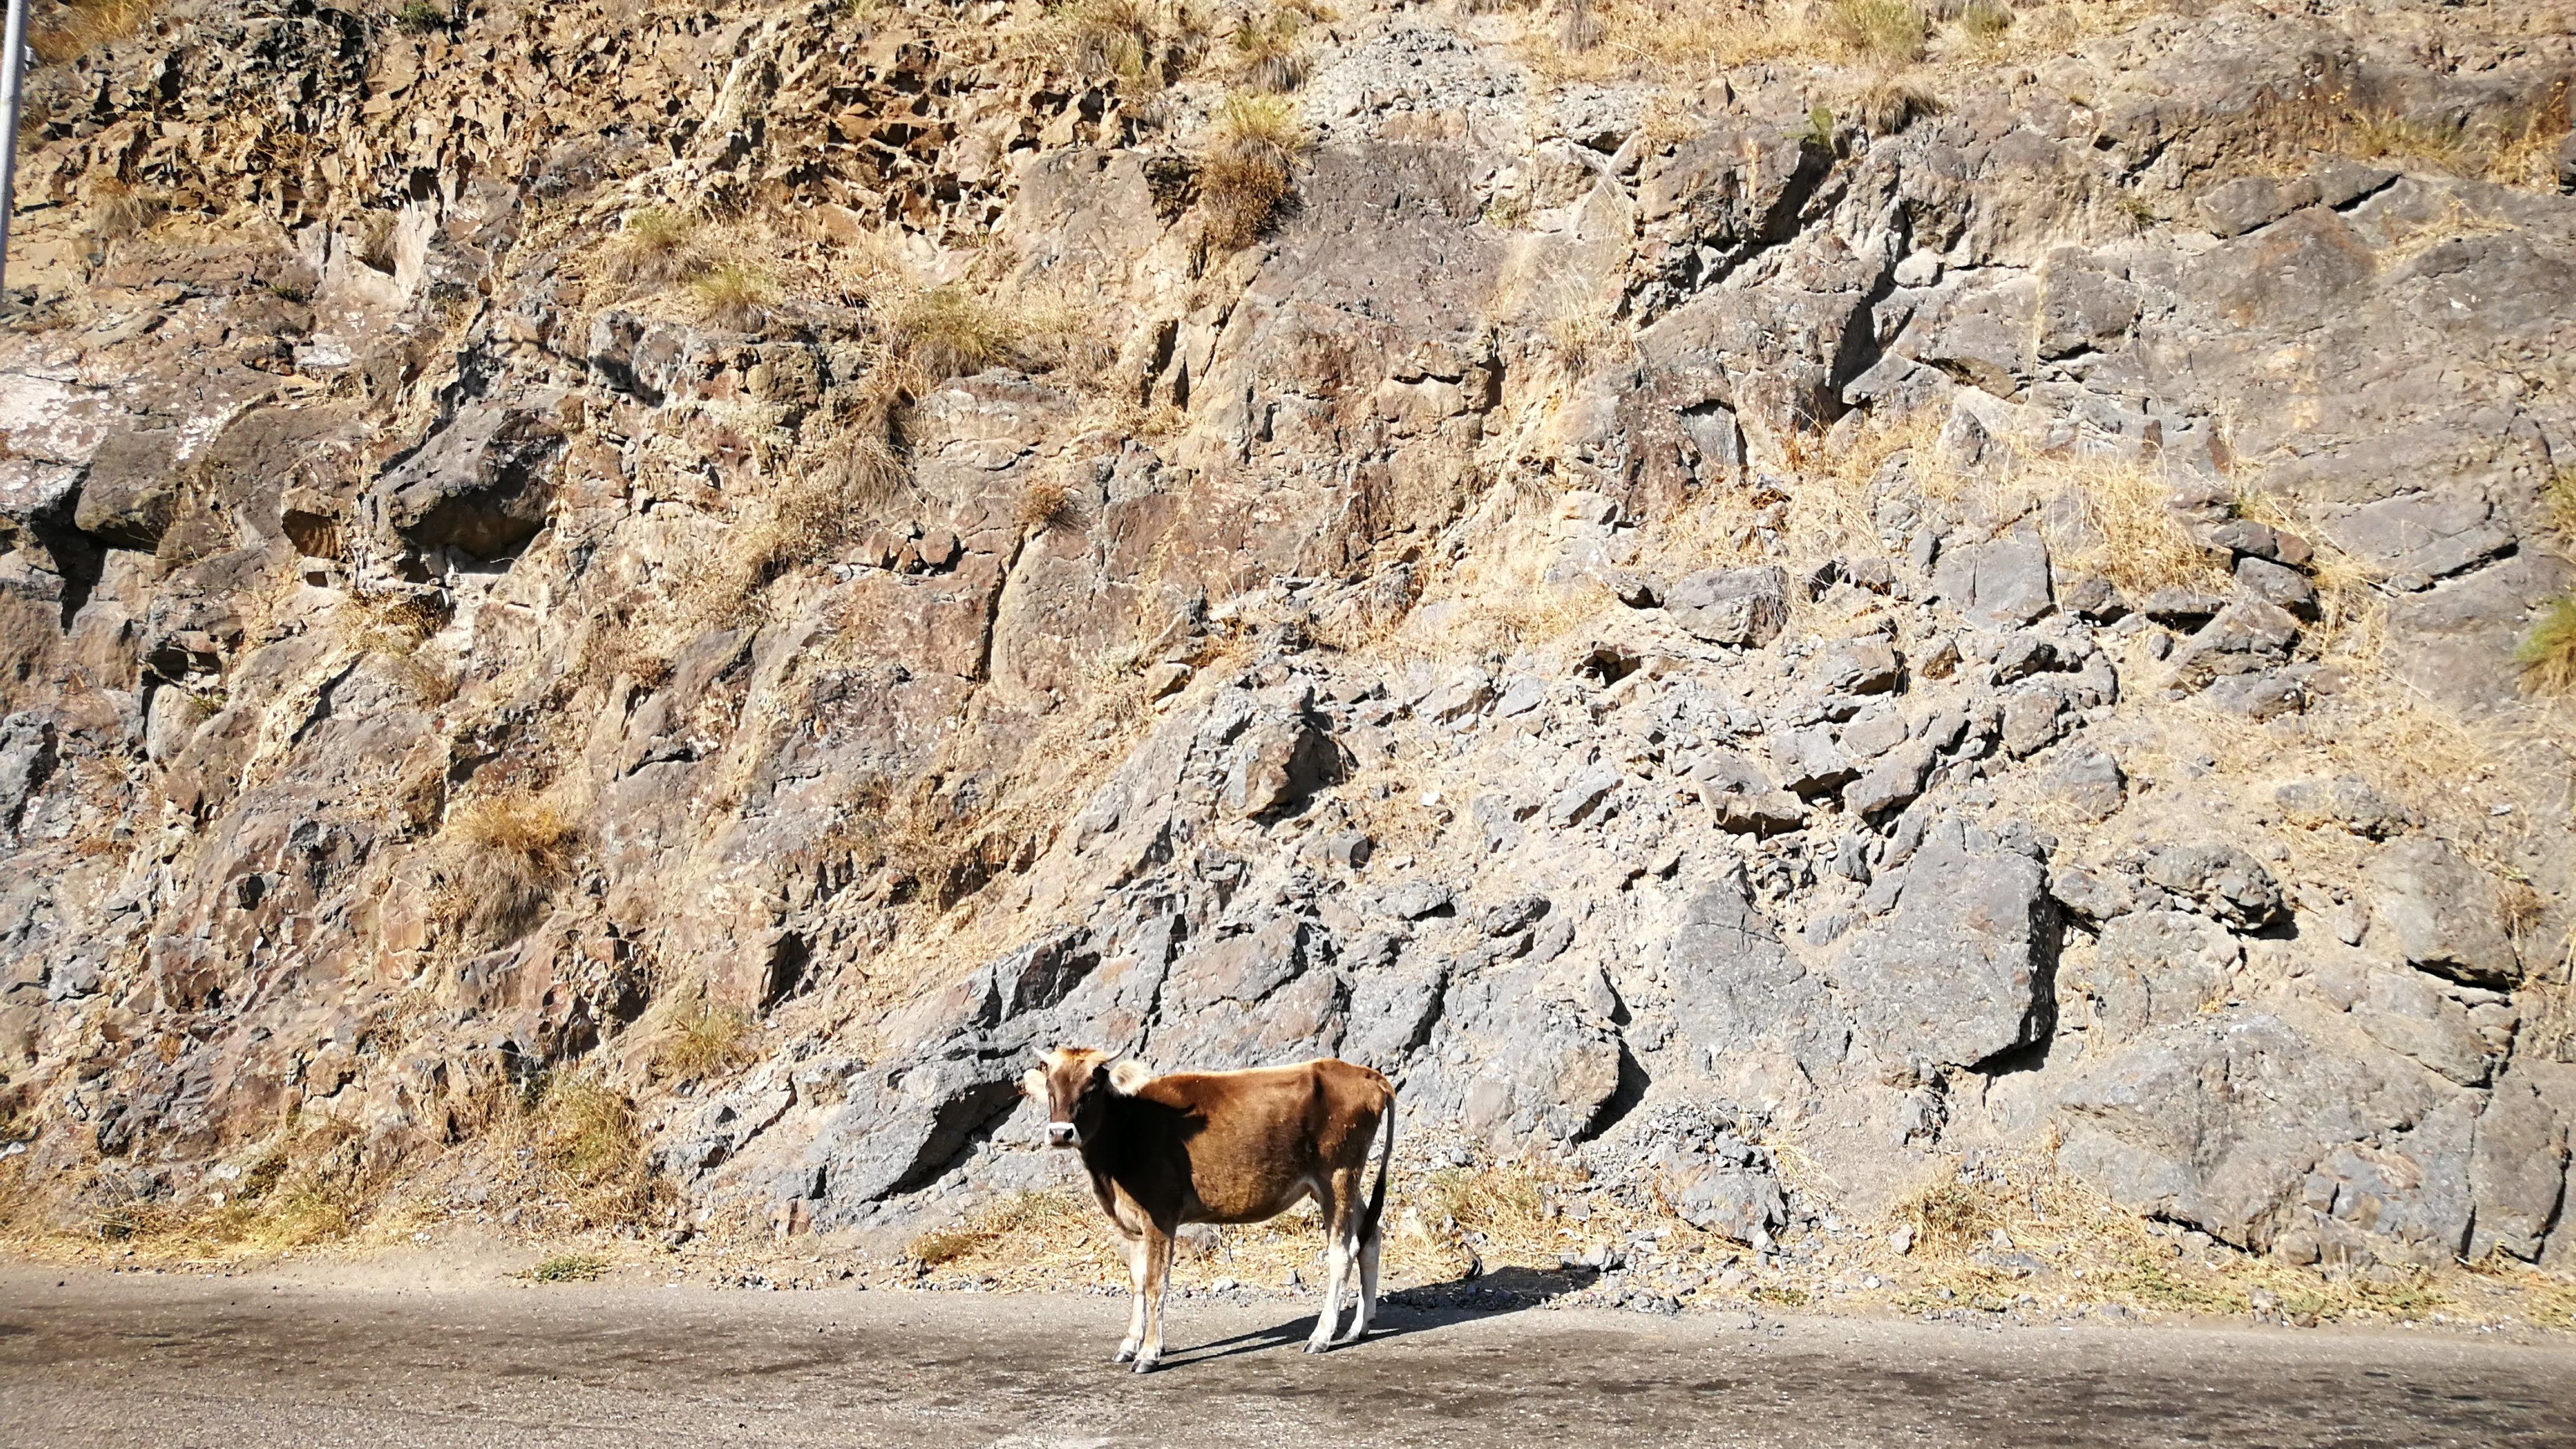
1158,1275
1135,1302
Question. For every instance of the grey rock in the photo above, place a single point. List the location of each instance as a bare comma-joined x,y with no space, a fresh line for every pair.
1573,804
2256,696
2214,1122
1745,607
2226,882
1809,761
2346,802
2277,584
1962,972
2442,912
2000,584
2406,1013
1414,900
2090,894
1858,666
1736,992
2245,637
1277,764
2088,782
2518,1169
482,484
2432,535
29,753
1891,784
1392,1014
2249,202
1517,914
2159,968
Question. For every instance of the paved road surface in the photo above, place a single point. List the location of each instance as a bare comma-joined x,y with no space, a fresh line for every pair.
245,1363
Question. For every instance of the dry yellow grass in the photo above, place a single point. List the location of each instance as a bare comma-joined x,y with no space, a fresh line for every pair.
1247,172
2096,1250
505,854
735,296
1138,43
2548,653
2122,528
588,1150
656,246
1268,56
81,26
951,332
709,1043
1048,502
394,629
2513,144
309,1187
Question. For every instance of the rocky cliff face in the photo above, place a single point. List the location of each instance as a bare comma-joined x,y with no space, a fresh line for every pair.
1710,569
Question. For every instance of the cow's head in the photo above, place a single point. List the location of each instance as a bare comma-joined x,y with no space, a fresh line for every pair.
1074,1084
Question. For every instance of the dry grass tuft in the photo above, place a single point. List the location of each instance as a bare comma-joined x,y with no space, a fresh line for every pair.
119,211
568,1268
1135,42
393,629
1048,502
507,853
312,1185
951,332
657,246
1248,174
2558,503
588,1150
81,26
2548,653
825,495
1267,56
2121,527
1580,344
706,1045
1886,106
1946,1216
2510,145
1886,34
734,296
2118,1255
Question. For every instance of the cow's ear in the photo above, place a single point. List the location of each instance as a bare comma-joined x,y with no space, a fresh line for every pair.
1129,1078
1033,1085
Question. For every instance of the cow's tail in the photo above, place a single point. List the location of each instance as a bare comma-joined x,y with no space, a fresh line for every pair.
1377,1194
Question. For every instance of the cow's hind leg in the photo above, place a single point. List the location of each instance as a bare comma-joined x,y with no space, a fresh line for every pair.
1368,1286
1135,1302
1158,1275
1341,1216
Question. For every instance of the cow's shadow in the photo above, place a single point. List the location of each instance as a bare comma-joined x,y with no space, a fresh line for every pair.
1420,1309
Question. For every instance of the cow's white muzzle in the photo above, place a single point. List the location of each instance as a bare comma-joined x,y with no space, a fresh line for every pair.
1060,1134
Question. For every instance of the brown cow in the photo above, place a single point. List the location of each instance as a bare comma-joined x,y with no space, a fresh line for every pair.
1223,1147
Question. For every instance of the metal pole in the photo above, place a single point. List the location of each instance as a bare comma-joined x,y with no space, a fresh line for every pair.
13,69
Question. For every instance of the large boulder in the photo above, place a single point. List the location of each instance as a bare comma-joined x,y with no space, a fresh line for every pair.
482,484
2265,1129
1963,972
2002,583
1744,607
1737,992
2442,913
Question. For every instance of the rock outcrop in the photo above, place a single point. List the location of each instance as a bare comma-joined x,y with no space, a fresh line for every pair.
780,561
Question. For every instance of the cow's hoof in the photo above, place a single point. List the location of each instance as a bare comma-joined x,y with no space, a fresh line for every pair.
1318,1345
1144,1364
1125,1352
